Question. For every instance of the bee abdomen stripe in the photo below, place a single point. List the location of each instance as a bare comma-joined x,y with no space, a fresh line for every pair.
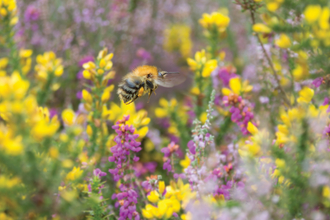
128,90
133,85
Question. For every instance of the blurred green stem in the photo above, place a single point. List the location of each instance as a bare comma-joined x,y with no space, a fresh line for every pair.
8,32
43,94
270,63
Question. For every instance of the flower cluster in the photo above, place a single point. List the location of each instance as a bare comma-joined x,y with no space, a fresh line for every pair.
168,151
177,38
240,109
215,20
123,155
201,64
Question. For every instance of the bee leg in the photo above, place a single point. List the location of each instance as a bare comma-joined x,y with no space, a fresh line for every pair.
155,89
133,99
150,92
141,91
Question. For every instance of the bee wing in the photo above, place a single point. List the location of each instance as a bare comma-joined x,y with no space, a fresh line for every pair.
170,79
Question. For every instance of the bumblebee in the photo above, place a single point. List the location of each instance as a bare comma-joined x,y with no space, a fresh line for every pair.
145,80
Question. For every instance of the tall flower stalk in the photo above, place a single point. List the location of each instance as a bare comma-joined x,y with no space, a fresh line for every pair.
124,155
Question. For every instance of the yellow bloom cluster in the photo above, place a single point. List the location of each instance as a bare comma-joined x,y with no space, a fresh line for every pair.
177,196
318,18
47,64
177,38
139,119
215,20
74,174
252,146
273,5
169,109
292,117
25,56
100,74
201,64
7,183
278,172
8,10
19,108
95,100
237,87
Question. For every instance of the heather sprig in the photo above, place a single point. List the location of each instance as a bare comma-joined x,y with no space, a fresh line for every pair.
124,155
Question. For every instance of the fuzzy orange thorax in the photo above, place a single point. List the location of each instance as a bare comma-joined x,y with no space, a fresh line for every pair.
145,70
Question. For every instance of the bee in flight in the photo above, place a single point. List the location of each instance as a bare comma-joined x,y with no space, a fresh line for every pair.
145,80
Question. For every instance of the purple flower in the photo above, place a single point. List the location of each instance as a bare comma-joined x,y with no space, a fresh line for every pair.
126,145
168,151
191,146
317,82
123,154
31,14
97,172
79,95
127,200
225,75
143,54
52,112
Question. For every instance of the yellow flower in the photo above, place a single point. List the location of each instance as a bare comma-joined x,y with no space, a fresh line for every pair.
7,182
187,216
87,96
326,192
305,95
252,128
89,130
167,108
13,146
148,211
161,187
25,53
209,66
283,42
201,64
216,19
68,116
177,38
261,28
237,87
324,19
203,117
89,65
195,91
107,93
200,59
312,13
138,119
185,163
47,63
280,163
74,174
153,196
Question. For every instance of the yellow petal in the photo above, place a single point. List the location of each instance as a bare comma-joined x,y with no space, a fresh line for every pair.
283,42
261,28
312,13
235,85
160,113
252,128
305,95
